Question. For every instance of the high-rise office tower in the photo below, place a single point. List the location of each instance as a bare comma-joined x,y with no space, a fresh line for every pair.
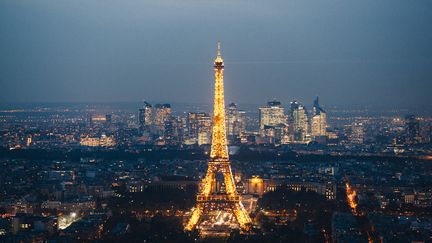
241,128
299,122
318,120
163,114
235,122
273,114
199,127
182,129
192,124
357,133
412,130
196,120
232,118
145,117
171,133
204,135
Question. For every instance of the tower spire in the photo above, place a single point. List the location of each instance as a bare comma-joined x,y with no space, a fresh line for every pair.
219,60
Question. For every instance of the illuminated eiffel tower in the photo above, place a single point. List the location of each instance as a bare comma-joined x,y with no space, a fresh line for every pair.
208,199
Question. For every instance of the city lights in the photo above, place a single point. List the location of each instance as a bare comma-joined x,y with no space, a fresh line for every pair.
65,221
119,124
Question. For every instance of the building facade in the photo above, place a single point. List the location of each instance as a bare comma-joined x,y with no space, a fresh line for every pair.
235,122
318,121
299,122
145,117
163,114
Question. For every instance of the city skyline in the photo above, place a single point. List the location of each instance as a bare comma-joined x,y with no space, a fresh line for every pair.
315,49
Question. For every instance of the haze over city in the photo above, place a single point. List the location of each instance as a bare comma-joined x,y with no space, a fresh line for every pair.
347,52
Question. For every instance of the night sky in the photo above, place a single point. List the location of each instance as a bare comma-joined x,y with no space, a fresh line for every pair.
368,52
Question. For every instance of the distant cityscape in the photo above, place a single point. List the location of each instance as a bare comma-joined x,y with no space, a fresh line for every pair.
274,124
93,172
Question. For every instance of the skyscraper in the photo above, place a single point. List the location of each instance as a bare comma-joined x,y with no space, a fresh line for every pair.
171,131
163,114
357,132
145,117
412,130
272,114
318,121
299,122
235,122
204,135
199,127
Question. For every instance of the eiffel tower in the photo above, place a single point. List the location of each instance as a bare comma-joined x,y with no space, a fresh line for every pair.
208,199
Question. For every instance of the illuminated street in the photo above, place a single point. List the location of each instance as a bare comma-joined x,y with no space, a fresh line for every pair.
351,198
66,220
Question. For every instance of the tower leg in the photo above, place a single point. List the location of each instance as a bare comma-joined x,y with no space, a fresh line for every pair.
242,216
229,181
196,215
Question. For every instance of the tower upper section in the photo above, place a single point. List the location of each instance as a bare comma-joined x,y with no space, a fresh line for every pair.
219,148
218,63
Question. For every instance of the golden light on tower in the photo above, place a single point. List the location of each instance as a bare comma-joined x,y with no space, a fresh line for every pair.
219,163
219,149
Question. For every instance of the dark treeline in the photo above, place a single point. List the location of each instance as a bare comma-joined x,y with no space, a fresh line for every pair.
153,199
244,154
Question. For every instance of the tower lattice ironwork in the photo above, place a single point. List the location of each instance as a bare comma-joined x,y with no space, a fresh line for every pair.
208,199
